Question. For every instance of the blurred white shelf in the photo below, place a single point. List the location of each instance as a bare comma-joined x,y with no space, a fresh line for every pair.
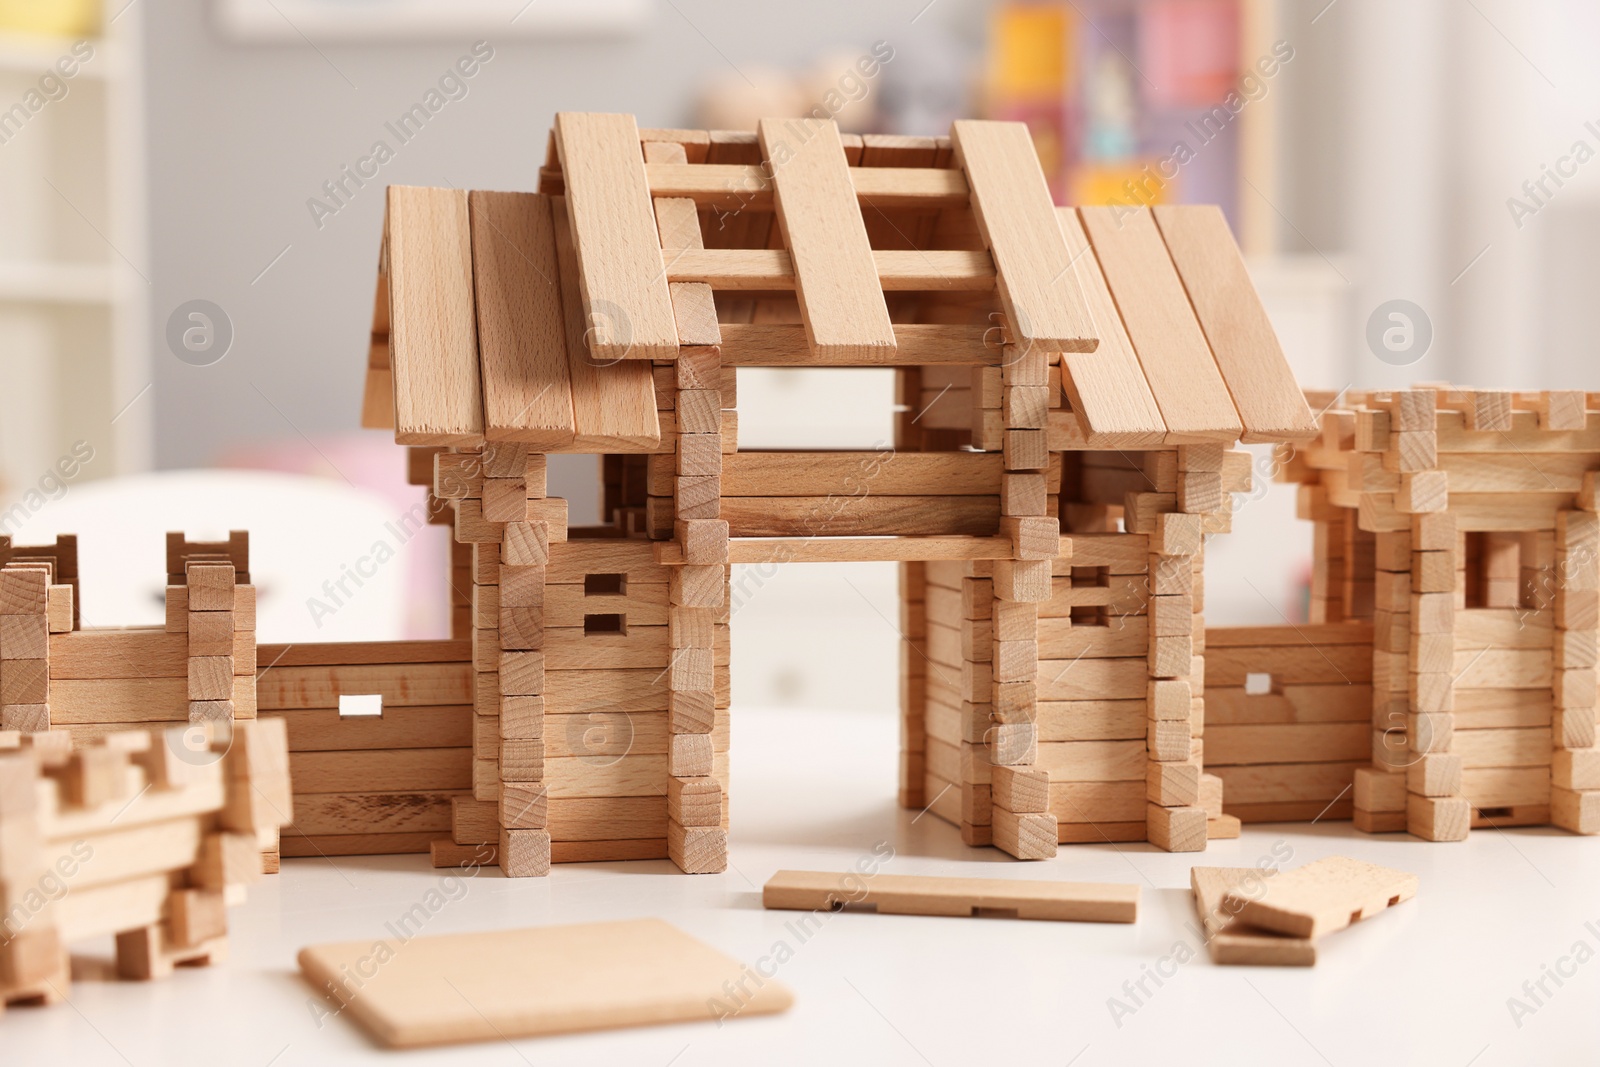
57,283
31,55
295,21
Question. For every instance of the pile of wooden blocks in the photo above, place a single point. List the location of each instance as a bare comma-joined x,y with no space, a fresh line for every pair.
148,835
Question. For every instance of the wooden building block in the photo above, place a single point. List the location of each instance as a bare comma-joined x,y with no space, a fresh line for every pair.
1232,942
697,849
892,894
1181,829
1024,835
694,801
1438,818
1021,789
521,854
1322,897
1575,810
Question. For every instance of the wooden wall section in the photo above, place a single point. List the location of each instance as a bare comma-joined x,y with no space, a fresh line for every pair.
366,785
1288,718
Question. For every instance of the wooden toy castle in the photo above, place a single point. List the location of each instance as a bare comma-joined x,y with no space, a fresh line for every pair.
1070,386
1060,371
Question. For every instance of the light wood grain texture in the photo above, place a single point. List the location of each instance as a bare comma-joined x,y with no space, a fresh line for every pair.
1322,897
883,473
1265,394
899,894
917,344
1038,287
626,306
732,269
801,516
522,344
433,343
836,277
1233,942
504,984
749,189
1107,386
1166,337
613,399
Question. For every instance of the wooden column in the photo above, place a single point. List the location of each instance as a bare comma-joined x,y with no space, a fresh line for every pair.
25,647
1023,823
1575,769
697,840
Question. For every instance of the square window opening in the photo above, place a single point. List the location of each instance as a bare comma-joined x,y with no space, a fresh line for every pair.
605,584
605,624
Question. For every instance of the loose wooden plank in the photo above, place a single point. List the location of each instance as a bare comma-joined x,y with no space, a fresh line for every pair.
613,399
433,342
1265,394
522,344
1233,942
836,278
1322,897
902,894
504,984
1107,387
613,227
1039,288
1166,337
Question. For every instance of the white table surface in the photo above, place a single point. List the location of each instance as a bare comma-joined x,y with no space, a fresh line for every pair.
1425,983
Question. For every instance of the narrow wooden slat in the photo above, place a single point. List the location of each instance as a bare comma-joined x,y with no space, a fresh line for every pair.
1166,337
694,306
1039,289
900,894
1269,401
613,401
772,268
433,342
1107,386
836,279
800,516
522,343
730,185
784,345
850,473
625,298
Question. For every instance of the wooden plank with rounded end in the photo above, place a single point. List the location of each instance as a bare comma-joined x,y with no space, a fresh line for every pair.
1322,897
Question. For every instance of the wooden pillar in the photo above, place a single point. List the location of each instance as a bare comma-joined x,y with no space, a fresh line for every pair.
1020,791
25,647
1174,817
697,840
1575,768
1380,790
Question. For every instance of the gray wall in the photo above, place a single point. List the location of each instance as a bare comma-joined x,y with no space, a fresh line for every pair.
242,136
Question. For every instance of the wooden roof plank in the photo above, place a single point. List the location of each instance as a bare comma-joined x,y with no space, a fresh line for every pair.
693,306
1107,387
624,290
522,343
836,279
613,403
1166,336
433,341
1269,402
1011,201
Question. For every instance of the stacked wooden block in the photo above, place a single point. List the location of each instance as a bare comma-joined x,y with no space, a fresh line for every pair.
145,835
502,510
1575,769
27,595
374,784
1176,720
1288,713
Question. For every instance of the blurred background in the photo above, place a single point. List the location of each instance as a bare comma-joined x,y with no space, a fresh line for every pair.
193,201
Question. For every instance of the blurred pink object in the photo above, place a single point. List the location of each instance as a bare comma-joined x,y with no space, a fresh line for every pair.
367,460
